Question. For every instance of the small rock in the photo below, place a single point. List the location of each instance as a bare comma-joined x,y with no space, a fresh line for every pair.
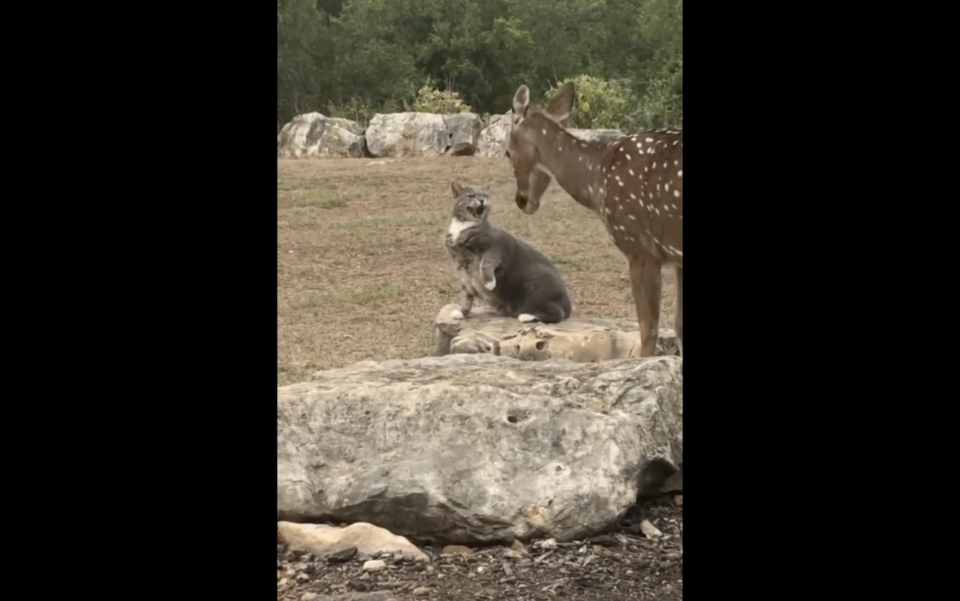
546,545
421,591
456,550
512,554
649,530
517,546
678,500
374,565
480,570
308,597
343,555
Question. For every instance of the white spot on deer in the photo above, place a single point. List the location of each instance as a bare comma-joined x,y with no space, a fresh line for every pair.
657,209
580,158
650,151
543,131
641,204
658,187
675,142
632,196
676,162
630,238
654,165
590,188
680,173
632,217
666,187
631,171
644,169
649,139
674,206
628,156
676,193
619,182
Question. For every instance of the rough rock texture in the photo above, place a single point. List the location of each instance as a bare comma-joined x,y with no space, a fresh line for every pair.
493,136
598,135
477,447
316,135
622,565
407,134
463,129
323,540
580,340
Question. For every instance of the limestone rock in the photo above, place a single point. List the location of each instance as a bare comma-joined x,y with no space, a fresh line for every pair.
463,129
407,135
316,135
323,540
598,135
580,340
493,137
471,448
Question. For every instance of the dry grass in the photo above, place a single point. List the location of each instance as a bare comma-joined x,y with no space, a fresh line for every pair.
361,267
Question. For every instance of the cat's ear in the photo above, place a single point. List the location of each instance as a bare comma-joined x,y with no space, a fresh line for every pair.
457,189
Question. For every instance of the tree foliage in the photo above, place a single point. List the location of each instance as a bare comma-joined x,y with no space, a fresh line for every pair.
353,58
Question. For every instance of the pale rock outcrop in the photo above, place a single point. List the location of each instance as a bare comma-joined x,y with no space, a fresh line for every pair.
407,134
316,135
323,540
474,447
493,137
580,340
606,136
463,130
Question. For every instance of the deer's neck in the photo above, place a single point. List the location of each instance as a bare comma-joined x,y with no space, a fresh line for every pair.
575,164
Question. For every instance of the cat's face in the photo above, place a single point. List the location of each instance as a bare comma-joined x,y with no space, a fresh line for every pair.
470,203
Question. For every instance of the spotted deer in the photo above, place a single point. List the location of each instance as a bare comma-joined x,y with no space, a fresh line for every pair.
635,186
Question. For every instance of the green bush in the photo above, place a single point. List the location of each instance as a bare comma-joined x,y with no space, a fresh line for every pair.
599,103
431,100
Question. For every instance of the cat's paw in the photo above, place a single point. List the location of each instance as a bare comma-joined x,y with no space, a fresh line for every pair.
526,318
456,314
491,284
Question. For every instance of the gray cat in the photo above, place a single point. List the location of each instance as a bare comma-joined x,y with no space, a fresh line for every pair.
506,273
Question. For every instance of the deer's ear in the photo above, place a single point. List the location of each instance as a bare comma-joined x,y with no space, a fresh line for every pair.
457,189
520,101
561,103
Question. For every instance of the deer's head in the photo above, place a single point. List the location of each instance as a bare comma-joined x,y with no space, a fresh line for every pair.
525,140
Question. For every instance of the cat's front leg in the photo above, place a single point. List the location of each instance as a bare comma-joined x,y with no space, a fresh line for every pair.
466,304
487,266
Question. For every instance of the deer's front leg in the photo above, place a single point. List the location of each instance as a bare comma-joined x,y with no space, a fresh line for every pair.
680,308
466,303
645,285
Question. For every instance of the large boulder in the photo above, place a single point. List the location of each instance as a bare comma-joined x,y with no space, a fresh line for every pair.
316,135
407,134
580,340
463,129
598,135
475,447
493,137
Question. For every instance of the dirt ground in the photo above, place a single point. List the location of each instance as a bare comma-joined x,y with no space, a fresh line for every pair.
361,267
619,565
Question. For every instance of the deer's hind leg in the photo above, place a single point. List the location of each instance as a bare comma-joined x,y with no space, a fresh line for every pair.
645,282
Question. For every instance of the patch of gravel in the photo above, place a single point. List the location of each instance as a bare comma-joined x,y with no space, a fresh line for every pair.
621,564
